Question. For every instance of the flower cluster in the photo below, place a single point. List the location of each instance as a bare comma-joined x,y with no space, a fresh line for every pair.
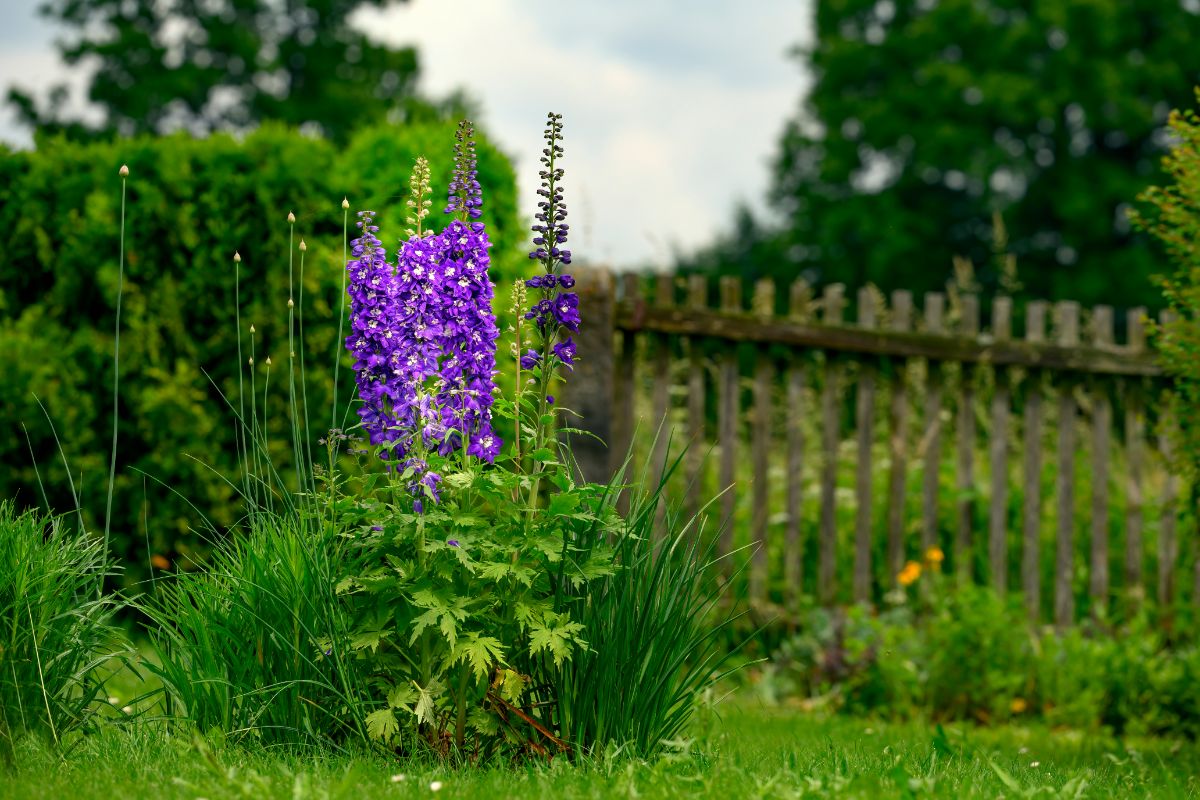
424,334
558,307
466,196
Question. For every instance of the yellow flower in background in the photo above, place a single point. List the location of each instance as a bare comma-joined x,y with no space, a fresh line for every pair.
910,573
934,557
1019,705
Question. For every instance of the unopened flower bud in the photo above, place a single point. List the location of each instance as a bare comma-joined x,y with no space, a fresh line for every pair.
237,257
292,354
252,361
345,203
303,246
252,329
268,361
123,171
291,217
290,303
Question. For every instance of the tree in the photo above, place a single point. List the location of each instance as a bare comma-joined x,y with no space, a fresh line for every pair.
205,65
927,116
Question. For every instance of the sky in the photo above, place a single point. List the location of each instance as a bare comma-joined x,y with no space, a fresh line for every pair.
672,108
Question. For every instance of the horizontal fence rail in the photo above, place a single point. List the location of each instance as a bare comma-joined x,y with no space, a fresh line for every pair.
1020,448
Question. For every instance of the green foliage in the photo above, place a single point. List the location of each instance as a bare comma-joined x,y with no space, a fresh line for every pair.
1171,214
56,641
924,118
971,655
192,203
226,65
656,624
257,645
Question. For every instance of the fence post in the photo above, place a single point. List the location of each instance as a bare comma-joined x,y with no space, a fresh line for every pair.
760,445
624,390
1102,337
727,418
798,308
963,535
1031,517
931,438
998,447
1135,442
697,300
831,311
589,389
864,418
1066,332
902,306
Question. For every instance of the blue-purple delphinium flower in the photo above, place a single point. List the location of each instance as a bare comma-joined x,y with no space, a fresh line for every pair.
424,335
452,542
558,307
373,338
565,350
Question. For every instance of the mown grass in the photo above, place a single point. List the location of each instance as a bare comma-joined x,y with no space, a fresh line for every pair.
742,752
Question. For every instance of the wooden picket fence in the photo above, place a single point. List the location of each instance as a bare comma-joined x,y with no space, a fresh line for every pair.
648,340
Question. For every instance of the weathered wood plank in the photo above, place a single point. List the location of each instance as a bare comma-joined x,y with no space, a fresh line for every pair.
727,417
1135,446
743,327
901,320
589,392
864,421
998,454
1031,516
624,390
760,447
1098,584
965,470
931,437
1168,546
798,306
1067,332
660,422
832,302
697,298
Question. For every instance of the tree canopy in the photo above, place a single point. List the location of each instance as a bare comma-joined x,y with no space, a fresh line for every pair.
928,116
205,65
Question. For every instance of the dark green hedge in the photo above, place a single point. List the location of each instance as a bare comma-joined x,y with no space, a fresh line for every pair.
191,203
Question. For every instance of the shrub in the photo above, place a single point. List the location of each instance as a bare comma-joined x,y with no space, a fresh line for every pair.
57,645
971,655
192,203
1171,214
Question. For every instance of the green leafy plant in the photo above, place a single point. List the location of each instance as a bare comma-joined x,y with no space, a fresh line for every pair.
57,641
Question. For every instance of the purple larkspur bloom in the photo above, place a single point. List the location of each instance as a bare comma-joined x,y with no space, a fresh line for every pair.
566,310
550,399
530,359
565,350
452,542
373,338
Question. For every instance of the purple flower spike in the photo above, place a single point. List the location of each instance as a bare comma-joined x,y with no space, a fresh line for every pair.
452,542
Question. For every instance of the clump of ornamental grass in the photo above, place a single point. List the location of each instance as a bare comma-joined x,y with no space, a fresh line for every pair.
57,640
256,645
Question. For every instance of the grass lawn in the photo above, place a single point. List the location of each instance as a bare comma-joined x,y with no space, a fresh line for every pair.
747,752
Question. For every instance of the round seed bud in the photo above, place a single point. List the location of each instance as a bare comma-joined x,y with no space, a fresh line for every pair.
252,361
291,217
252,329
303,246
268,361
237,257
345,203
123,171
290,303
